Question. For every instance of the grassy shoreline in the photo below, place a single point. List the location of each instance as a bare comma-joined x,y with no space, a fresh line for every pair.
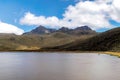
113,53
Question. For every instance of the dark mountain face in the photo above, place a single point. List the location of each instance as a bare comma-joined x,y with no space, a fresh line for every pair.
41,30
64,29
83,30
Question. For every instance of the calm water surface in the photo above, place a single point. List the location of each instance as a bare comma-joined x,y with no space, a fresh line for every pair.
58,66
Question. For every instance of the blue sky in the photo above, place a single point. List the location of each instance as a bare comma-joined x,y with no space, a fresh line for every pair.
14,12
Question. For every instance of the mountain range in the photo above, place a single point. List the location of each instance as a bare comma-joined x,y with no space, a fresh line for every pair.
64,39
43,37
83,30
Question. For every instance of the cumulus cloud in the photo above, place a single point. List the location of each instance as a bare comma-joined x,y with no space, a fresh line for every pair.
8,28
96,14
115,10
31,19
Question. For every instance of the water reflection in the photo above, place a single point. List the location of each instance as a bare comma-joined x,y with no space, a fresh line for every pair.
58,66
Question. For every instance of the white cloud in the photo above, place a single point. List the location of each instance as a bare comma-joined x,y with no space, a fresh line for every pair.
31,19
8,28
88,13
95,14
115,10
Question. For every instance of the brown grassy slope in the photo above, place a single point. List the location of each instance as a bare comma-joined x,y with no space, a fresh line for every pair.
27,42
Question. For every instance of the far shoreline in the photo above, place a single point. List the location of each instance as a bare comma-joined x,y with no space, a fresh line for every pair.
113,53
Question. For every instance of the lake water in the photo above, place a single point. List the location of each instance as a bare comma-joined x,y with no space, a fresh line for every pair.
58,66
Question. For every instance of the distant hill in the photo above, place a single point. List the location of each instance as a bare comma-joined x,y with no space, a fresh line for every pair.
106,41
83,30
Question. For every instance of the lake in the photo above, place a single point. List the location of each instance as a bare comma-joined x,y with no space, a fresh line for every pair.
58,66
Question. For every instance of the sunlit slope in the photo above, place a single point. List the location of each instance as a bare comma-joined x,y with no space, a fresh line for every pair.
33,42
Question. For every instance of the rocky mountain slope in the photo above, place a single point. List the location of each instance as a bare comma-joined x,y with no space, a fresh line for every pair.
83,30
